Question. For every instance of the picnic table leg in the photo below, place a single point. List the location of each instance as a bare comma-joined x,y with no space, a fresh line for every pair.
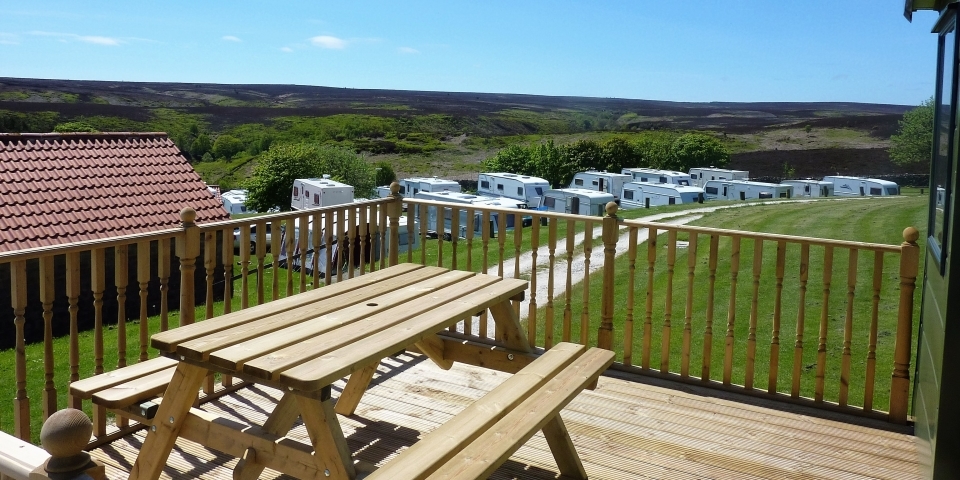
179,397
280,421
329,445
562,448
353,390
508,324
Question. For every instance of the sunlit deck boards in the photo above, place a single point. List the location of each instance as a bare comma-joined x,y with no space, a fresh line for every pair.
622,430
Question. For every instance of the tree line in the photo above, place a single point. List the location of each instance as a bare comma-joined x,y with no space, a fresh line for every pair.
559,163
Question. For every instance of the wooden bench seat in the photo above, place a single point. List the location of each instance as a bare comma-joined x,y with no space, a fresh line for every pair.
483,436
126,386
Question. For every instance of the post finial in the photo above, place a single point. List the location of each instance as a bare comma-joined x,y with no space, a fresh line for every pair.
188,216
63,436
911,235
611,209
394,188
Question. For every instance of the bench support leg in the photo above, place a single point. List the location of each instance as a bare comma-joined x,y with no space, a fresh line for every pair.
330,447
353,391
562,448
433,347
279,422
508,324
180,395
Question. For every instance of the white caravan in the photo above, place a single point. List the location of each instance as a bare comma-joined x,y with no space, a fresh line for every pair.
745,190
646,195
579,201
510,185
810,188
653,175
857,186
410,187
702,175
319,192
434,228
371,246
609,182
235,201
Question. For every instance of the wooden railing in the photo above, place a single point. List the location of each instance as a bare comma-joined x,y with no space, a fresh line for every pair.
671,330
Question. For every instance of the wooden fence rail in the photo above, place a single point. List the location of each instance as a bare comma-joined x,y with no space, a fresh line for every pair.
782,290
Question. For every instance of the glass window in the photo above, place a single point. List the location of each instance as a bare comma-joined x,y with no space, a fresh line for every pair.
683,182
520,191
484,184
711,190
500,187
578,181
316,199
876,191
627,194
893,190
673,200
539,190
296,192
944,127
693,176
550,202
403,190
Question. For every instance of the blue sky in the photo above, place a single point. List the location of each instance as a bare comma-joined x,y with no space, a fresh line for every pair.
731,50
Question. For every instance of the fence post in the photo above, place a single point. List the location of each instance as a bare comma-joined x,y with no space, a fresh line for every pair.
18,297
900,383
393,211
609,237
188,249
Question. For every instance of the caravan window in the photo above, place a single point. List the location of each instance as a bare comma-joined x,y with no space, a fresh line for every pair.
673,200
595,182
663,179
578,181
683,182
500,187
316,199
403,190
693,176
643,179
519,190
711,190
539,191
783,194
296,192
893,191
484,184
762,195
876,191
549,202
628,194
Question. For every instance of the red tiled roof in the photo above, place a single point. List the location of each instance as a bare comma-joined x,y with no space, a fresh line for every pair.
60,188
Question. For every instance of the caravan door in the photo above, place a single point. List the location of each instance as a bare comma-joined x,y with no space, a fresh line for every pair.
573,205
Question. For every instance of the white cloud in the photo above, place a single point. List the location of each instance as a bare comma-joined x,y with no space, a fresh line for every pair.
326,41
286,49
68,37
9,39
231,38
408,50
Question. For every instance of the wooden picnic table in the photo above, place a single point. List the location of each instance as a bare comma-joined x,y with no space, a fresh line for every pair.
301,345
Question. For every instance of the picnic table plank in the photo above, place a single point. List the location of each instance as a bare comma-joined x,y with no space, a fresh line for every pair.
128,393
322,371
387,308
87,387
168,341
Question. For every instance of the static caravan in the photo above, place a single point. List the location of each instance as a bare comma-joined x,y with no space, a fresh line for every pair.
609,182
700,176
652,175
646,195
235,201
810,188
339,256
579,201
745,190
319,192
410,187
435,226
521,187
861,187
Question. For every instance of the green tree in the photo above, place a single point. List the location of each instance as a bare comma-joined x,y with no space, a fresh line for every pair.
583,155
617,154
273,177
653,152
68,127
550,165
697,150
913,142
226,146
513,159
201,146
384,174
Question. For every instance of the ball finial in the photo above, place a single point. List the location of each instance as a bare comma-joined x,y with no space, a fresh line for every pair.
612,208
63,436
188,216
911,235
394,188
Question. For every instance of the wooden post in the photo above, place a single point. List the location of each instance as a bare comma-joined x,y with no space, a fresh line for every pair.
121,272
609,236
98,283
163,271
73,298
49,398
18,297
143,278
900,383
393,211
188,249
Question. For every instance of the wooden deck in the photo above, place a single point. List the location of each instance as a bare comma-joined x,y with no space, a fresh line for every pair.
624,429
